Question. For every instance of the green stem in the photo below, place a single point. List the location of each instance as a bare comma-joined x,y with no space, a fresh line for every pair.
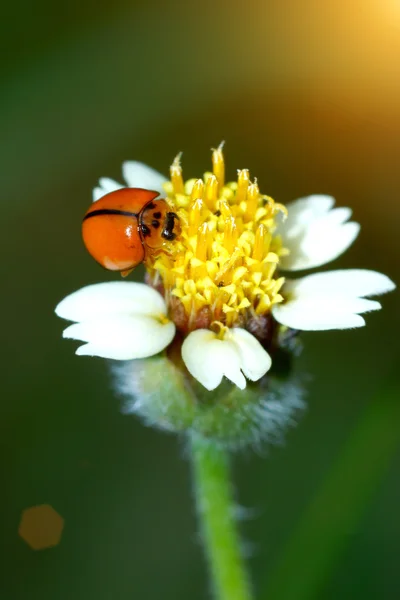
216,510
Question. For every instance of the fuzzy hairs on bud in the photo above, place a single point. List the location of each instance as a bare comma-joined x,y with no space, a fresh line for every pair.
168,398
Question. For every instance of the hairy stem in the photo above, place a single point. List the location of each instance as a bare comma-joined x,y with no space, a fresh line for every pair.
216,510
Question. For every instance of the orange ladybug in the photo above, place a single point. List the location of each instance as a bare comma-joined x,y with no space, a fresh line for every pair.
126,225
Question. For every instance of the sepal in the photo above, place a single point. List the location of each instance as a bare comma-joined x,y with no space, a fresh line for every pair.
165,396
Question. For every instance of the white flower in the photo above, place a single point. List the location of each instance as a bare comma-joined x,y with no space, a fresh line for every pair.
126,320
120,320
208,357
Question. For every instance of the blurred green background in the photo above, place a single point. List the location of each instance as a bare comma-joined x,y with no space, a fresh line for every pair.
307,96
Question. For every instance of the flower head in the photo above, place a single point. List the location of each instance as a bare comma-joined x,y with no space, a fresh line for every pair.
223,267
222,282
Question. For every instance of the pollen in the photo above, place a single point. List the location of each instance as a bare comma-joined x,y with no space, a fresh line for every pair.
223,266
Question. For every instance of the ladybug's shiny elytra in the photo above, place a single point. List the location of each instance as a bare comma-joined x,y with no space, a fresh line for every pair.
126,225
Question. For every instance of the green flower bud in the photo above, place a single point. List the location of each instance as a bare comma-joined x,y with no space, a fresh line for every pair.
165,396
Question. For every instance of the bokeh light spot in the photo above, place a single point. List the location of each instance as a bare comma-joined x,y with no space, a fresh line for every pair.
41,527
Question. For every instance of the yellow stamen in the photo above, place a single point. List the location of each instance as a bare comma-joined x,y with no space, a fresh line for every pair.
211,192
176,175
253,194
243,184
203,242
230,234
197,190
219,165
195,216
225,209
220,329
258,248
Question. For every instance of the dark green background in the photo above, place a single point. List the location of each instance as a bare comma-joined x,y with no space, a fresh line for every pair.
307,95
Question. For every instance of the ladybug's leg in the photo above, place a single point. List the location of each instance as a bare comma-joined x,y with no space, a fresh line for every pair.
126,272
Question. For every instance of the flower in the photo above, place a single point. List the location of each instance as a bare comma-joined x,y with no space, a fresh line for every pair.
222,283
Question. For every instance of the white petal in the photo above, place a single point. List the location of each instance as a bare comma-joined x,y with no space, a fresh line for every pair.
313,316
112,298
139,175
300,317
122,337
106,185
314,234
327,306
208,359
98,193
255,361
336,216
308,207
109,185
358,282
331,300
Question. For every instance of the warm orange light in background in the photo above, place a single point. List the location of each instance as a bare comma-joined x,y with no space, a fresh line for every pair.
342,45
41,527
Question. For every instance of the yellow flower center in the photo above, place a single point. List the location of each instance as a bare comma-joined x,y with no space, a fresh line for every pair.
222,267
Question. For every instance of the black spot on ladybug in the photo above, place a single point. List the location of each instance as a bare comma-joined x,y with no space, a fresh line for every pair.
145,230
150,205
156,224
157,215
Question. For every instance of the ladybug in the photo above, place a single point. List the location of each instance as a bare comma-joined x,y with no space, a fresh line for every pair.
125,226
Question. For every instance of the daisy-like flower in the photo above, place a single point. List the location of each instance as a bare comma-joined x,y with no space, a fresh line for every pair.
222,284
